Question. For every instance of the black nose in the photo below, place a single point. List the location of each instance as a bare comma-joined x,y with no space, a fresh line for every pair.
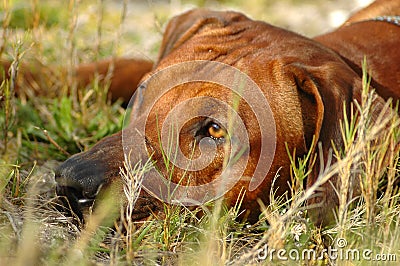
81,174
79,180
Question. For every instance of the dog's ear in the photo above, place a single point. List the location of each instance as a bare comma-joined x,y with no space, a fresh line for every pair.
324,92
182,27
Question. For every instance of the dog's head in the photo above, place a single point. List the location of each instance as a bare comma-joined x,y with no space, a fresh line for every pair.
227,93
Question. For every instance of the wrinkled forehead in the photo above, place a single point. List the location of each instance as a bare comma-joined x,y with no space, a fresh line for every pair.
200,89
240,42
194,79
197,98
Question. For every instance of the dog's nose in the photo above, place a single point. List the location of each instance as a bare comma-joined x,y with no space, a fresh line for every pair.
80,178
82,175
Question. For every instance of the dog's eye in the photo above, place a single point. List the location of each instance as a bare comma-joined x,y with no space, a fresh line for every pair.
211,130
216,131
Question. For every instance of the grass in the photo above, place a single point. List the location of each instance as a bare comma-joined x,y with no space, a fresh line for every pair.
39,133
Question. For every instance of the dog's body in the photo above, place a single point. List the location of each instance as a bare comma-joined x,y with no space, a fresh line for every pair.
364,35
305,82
121,73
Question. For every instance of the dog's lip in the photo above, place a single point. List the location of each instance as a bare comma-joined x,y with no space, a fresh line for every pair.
82,197
85,202
75,194
75,200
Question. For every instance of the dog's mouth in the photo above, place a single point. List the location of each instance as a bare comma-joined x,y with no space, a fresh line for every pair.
81,177
78,202
74,199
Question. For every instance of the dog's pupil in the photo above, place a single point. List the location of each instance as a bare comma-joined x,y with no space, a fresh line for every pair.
215,127
216,131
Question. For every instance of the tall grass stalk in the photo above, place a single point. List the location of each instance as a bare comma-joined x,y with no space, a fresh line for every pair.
374,137
73,9
97,224
132,178
28,253
8,87
4,25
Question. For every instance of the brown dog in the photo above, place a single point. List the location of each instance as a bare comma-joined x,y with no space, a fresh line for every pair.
304,81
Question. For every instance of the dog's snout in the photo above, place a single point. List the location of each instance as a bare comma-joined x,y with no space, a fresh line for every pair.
79,181
80,178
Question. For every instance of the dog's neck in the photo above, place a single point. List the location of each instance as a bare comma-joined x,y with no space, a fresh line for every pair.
390,19
377,39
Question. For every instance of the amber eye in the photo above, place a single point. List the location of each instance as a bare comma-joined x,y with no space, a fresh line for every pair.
216,131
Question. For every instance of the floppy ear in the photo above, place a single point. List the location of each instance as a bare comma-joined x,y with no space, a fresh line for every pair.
329,88
181,28
322,91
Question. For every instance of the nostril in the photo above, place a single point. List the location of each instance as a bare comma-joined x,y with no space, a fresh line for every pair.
72,188
82,192
78,183
83,175
66,182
